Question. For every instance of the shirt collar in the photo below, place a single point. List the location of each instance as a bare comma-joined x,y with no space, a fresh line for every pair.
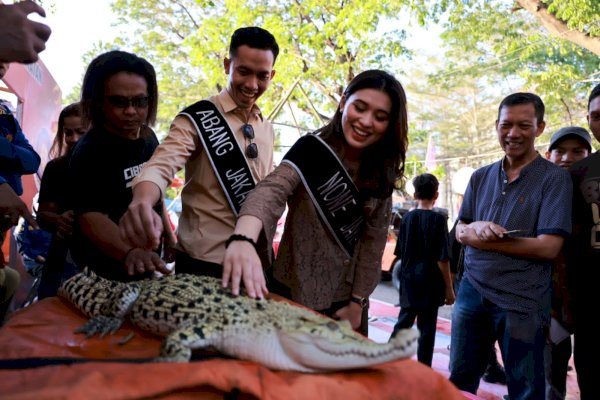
230,106
532,164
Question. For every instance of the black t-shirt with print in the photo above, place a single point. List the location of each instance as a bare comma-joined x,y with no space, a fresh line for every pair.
102,168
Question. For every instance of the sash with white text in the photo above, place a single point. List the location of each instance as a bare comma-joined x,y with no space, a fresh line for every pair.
331,189
226,157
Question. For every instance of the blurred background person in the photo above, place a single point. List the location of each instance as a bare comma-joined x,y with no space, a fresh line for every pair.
55,213
17,158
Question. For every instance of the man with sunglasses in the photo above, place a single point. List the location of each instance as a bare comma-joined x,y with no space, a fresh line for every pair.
118,101
198,142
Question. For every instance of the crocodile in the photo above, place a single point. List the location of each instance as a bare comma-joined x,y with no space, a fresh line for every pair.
194,312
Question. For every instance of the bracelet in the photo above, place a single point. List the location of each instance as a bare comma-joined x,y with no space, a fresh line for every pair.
236,238
127,254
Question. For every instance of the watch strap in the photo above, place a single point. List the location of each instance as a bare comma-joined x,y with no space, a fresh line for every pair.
362,301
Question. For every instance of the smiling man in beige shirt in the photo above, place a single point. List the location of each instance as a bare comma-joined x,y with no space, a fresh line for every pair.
207,219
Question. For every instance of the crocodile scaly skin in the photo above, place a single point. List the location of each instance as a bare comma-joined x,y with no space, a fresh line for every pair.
196,312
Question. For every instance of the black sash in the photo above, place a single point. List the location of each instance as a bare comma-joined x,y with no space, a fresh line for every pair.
226,157
331,189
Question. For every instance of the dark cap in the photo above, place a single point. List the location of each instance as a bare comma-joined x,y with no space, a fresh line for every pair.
575,131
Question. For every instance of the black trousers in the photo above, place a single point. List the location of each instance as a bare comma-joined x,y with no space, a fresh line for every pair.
426,323
184,264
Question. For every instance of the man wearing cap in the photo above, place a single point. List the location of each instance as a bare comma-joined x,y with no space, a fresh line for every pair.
584,266
567,146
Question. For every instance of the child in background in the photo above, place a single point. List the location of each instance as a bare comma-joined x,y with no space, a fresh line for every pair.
425,282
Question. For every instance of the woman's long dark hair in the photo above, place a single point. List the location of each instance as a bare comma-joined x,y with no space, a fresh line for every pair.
58,148
382,163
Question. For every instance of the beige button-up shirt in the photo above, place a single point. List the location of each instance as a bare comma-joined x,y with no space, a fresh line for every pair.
206,220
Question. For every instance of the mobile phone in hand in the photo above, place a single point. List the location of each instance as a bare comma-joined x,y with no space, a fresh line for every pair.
514,232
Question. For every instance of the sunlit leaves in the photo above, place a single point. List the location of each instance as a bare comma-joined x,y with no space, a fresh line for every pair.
324,42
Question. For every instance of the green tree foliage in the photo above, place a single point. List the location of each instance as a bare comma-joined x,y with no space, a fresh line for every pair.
577,21
323,43
491,48
508,42
582,15
457,109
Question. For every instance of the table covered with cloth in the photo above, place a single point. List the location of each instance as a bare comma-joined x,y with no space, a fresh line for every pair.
42,358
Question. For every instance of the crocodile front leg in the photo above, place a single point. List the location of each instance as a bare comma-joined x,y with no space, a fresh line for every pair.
117,305
177,347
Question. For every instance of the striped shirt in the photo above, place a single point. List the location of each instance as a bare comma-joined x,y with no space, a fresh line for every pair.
538,201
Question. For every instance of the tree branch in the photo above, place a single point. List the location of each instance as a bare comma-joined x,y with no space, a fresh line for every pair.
185,10
558,27
568,110
324,90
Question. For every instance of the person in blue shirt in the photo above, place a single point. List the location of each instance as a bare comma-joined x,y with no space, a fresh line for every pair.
17,158
505,290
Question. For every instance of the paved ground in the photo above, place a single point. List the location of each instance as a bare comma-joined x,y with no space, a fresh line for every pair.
387,293
383,315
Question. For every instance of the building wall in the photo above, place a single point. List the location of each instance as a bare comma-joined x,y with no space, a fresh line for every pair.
39,104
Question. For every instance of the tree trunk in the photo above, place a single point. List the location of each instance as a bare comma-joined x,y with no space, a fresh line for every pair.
559,28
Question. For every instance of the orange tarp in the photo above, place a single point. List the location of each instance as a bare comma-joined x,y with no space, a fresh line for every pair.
44,332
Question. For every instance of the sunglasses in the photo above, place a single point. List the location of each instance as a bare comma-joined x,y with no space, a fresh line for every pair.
126,102
252,149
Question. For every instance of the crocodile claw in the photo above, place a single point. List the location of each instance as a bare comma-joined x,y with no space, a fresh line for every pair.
101,325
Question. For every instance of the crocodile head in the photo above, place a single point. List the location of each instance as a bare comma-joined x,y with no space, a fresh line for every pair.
318,345
301,340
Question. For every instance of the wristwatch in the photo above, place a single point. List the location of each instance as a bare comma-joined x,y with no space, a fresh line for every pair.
362,301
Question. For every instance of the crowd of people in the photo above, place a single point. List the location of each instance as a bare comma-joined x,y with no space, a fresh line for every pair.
529,225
